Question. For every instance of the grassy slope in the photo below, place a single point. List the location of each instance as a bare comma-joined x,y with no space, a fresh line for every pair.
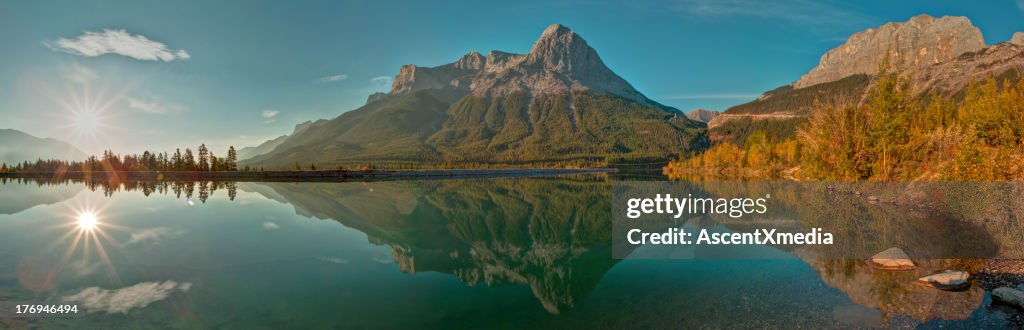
557,127
423,128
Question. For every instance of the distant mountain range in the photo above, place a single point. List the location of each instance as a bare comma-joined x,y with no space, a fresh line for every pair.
269,145
18,147
942,55
557,103
702,115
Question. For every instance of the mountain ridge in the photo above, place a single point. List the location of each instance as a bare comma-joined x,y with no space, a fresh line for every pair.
269,145
559,102
19,147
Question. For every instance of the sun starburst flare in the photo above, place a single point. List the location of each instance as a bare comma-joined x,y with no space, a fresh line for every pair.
84,110
87,221
86,236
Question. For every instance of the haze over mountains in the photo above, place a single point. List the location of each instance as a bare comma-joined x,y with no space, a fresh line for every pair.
557,103
269,145
18,147
940,55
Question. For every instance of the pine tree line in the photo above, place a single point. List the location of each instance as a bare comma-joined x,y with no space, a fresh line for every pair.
147,161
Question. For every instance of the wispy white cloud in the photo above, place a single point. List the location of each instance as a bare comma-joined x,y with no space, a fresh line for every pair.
330,79
154,235
1020,5
381,81
713,96
270,115
154,105
84,268
797,11
82,74
268,225
120,42
96,299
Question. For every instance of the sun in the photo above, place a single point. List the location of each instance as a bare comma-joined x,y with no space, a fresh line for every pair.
86,121
85,113
87,221
86,235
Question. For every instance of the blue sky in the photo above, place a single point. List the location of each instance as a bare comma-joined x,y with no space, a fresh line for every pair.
239,72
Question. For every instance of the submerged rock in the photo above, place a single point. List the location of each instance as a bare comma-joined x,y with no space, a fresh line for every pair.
947,280
892,259
1010,296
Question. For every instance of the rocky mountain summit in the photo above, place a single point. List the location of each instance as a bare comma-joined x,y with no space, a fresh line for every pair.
559,62
1018,39
920,42
558,103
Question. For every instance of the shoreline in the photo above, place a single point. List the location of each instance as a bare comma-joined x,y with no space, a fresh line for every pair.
312,176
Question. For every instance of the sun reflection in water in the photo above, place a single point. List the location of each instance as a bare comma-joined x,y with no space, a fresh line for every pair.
87,239
87,221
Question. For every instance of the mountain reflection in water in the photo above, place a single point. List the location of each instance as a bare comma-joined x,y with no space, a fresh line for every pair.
550,234
554,235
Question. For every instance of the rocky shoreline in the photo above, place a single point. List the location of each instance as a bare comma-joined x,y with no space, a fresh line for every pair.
1001,273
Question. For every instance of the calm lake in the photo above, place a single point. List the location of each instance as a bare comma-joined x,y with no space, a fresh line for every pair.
481,253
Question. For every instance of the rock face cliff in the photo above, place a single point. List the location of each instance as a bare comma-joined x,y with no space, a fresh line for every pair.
1001,61
456,75
920,42
557,103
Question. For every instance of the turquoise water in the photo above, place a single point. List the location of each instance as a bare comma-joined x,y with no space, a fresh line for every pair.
499,253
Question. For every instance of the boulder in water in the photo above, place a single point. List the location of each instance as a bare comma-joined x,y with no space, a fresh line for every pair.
892,259
1010,296
953,280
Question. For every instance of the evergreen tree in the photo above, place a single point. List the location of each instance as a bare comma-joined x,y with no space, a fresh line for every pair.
189,161
177,162
204,155
214,163
232,161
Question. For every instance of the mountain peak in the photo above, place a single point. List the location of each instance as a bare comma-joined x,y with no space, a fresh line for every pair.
560,61
561,50
555,30
921,41
1018,39
471,61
